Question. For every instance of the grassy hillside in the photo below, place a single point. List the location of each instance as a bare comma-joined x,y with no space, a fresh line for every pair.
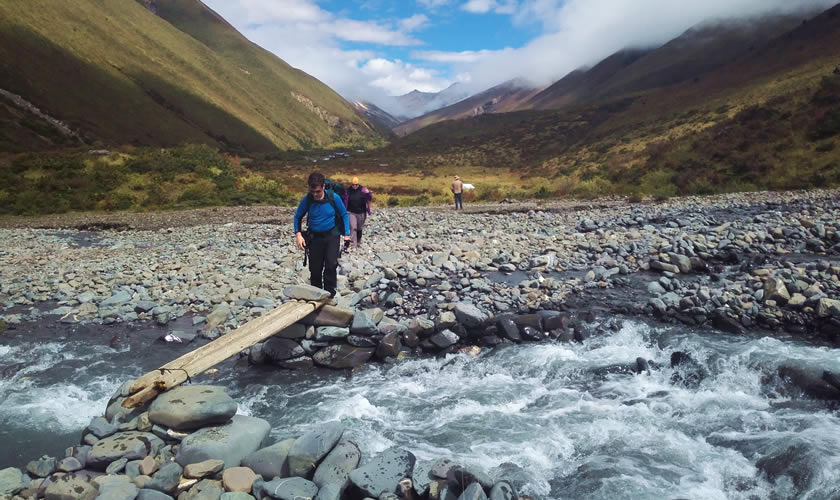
765,119
119,74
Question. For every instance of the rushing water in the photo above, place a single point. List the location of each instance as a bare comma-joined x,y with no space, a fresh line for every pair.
541,413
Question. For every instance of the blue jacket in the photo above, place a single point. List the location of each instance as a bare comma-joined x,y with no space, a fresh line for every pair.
321,214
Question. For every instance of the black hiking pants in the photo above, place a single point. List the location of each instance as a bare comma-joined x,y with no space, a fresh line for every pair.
323,260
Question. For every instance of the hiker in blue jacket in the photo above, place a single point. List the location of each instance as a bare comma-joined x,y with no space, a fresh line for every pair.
327,220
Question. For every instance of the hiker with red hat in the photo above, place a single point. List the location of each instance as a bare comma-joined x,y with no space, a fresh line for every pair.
357,199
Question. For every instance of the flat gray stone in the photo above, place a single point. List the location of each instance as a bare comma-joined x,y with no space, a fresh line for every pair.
329,492
294,331
130,445
203,469
384,472
236,495
329,316
230,442
328,333
271,461
310,448
189,407
146,494
305,292
42,467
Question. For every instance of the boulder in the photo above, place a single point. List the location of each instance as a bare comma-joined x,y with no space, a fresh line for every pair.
363,324
383,473
230,442
189,407
310,448
775,289
203,469
329,316
166,479
278,349
290,488
469,315
342,356
270,461
70,487
11,481
337,465
131,445
444,339
389,346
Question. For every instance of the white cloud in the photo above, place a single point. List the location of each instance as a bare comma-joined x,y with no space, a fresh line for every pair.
466,56
431,4
367,31
582,32
497,6
414,22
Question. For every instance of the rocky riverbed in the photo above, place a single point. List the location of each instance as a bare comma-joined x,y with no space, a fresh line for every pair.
427,280
734,262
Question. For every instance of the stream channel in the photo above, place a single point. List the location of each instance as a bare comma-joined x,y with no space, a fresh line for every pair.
543,414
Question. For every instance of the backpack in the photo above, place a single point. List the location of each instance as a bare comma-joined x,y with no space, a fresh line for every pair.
328,193
336,187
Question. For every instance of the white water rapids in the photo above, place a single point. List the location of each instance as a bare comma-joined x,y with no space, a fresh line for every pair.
537,413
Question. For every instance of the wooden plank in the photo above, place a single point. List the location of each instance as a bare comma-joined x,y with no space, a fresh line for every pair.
191,364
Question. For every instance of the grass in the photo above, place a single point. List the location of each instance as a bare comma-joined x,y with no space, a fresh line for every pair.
131,77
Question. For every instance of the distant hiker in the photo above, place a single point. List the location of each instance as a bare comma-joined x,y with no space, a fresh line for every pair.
357,199
327,220
457,189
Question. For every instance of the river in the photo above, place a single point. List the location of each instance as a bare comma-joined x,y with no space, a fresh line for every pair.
545,414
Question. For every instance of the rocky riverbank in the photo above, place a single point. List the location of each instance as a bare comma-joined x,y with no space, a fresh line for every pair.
735,262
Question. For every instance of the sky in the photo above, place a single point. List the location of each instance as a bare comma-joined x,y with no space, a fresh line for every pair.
370,49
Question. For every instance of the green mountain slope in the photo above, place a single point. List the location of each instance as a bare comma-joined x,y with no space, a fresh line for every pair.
118,74
767,118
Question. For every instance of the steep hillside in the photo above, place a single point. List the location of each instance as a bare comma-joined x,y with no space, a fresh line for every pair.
376,115
700,50
769,118
508,96
118,73
580,85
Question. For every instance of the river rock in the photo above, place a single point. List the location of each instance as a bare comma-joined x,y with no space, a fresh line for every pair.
330,492
809,379
236,495
231,442
290,488
293,331
166,479
100,427
203,469
270,461
189,407
11,481
328,333
383,473
145,494
42,467
329,316
775,289
130,445
470,315
118,490
363,323
828,307
70,487
444,339
278,349
305,292
503,491
337,465
238,479
342,356
389,346
310,448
